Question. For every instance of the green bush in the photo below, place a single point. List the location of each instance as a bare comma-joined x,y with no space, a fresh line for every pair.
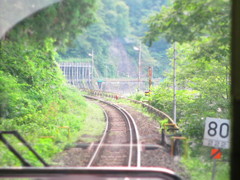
201,170
36,101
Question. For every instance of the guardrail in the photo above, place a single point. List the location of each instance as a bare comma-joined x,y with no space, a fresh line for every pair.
149,107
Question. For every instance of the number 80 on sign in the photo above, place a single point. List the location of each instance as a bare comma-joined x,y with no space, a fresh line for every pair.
217,133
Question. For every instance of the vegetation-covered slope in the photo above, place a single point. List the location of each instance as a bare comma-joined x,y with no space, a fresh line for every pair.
118,29
201,31
34,97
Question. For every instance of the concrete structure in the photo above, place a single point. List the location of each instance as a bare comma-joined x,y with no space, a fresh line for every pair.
78,73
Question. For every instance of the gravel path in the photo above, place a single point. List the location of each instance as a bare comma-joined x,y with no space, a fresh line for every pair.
153,154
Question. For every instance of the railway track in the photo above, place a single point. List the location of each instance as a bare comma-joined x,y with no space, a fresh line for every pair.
120,144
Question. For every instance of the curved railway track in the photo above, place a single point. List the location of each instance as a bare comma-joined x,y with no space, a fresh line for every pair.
120,144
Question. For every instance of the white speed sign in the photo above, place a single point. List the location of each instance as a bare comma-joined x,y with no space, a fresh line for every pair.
217,133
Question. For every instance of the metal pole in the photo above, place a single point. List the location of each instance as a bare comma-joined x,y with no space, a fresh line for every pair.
74,73
71,73
139,65
89,72
150,77
84,76
68,72
174,85
77,74
214,169
82,72
92,64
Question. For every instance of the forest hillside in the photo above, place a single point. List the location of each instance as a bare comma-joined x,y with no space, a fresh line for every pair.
119,28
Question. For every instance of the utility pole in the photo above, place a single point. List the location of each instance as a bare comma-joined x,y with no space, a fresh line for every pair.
150,75
174,85
92,69
139,62
139,65
92,64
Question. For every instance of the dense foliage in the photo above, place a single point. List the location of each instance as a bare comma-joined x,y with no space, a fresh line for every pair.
35,100
201,30
118,29
34,97
61,21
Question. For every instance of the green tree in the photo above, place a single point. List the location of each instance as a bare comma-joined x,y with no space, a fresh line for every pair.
202,31
34,97
119,21
112,22
202,28
187,20
60,21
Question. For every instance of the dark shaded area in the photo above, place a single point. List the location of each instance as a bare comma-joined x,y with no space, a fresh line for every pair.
235,154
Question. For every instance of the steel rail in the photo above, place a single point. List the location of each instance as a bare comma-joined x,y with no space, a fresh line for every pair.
130,132
137,138
149,107
132,126
101,142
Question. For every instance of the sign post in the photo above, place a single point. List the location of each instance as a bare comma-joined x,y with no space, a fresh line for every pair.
215,154
217,135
